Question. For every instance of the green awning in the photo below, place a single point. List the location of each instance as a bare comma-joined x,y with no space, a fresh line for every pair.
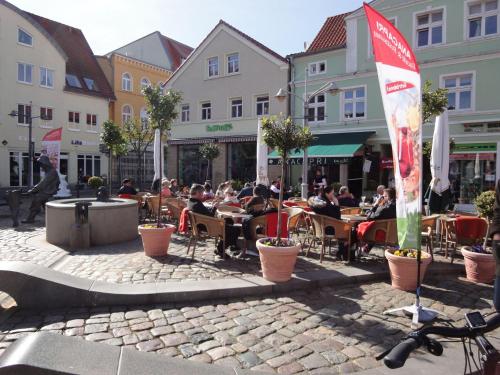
338,145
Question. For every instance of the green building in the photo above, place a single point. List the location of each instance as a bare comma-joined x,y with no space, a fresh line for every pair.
457,44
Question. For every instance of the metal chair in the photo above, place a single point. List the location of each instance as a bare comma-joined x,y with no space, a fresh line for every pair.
205,227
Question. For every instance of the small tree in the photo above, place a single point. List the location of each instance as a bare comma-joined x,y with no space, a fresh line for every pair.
139,138
162,111
283,135
114,141
209,152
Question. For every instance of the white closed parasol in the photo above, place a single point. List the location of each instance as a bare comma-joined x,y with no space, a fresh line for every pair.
440,155
261,157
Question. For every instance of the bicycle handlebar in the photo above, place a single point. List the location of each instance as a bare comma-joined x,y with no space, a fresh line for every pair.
399,353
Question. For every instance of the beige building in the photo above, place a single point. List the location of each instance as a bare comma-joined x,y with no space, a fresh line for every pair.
228,81
48,69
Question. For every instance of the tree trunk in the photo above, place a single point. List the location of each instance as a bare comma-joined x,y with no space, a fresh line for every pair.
278,231
138,170
208,170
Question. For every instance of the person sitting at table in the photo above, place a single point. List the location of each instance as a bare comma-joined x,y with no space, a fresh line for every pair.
174,188
379,194
127,187
219,193
327,205
208,193
165,188
247,191
319,180
184,191
275,190
229,196
195,204
255,207
345,198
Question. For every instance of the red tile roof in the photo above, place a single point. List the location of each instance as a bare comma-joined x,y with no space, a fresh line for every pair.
332,35
81,61
176,50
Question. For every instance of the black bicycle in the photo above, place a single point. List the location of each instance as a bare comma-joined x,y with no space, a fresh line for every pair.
488,358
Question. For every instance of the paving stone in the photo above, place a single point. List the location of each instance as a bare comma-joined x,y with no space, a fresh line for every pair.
75,323
181,327
144,335
135,314
303,339
53,326
207,345
220,352
262,331
239,348
203,357
264,367
324,345
117,317
150,345
348,368
169,352
229,362
174,339
198,338
248,340
160,322
300,353
155,314
269,353
78,331
249,359
366,363
188,350
280,361
276,339
95,328
119,332
238,330
130,339
335,357
289,347
352,352
114,341
290,368
224,338
141,326
99,336
132,322
97,320
313,361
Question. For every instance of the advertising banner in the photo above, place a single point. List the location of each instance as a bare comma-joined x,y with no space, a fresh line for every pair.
51,146
399,80
262,161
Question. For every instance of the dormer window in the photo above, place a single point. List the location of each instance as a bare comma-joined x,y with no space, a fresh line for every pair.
24,38
73,81
90,84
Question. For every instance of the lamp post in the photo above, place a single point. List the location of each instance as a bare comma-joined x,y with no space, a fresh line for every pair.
31,146
282,94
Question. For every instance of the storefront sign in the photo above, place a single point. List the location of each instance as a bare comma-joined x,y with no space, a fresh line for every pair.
311,161
386,163
474,147
482,156
78,142
220,128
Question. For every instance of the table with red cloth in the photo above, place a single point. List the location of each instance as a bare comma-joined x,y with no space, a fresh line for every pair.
363,228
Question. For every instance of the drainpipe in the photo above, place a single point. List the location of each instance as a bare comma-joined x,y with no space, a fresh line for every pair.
290,108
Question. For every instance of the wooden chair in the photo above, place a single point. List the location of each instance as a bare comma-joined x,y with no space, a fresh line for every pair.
274,203
153,202
205,227
342,232
350,211
255,224
296,221
428,232
174,211
390,233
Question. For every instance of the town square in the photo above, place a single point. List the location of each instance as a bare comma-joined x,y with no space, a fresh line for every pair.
237,191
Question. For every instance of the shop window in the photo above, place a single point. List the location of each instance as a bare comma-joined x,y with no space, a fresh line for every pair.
88,166
242,161
192,168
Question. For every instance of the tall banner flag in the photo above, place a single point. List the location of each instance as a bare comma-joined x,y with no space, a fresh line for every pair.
399,80
51,146
261,157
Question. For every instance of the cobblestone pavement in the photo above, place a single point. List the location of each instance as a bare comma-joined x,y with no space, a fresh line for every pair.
329,330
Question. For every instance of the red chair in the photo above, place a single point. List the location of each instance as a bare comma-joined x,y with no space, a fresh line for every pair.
272,224
290,204
125,196
184,221
233,205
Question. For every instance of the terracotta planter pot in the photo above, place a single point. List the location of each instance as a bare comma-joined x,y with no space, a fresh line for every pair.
404,270
156,240
479,267
277,262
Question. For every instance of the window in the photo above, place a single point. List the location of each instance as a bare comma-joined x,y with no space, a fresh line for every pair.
73,81
317,68
429,28
262,105
46,113
90,83
88,165
354,103
236,108
126,113
24,73
144,118
74,119
213,67
316,111
91,120
206,111
459,91
482,18
23,114
126,82
185,113
46,77
24,38
233,63
145,83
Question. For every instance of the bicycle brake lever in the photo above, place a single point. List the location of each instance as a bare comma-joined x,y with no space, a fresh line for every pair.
434,347
382,355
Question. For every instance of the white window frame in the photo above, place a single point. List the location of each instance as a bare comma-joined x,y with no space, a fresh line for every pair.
129,115
317,65
47,71
144,118
73,125
24,31
481,15
315,105
24,69
429,26
231,105
143,85
46,124
209,118
369,53
343,101
237,54
91,127
185,112
472,108
26,122
262,102
130,82
209,65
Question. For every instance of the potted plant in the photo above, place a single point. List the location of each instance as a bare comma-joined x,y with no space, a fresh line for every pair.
403,268
161,109
95,182
209,152
278,255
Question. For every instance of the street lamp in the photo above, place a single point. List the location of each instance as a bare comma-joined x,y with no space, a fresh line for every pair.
31,146
282,94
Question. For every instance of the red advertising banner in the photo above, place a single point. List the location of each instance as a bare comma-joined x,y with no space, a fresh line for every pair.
51,146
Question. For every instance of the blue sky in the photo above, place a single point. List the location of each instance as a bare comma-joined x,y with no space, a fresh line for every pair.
282,25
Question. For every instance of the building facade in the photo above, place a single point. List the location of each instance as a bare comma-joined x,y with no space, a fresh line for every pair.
49,71
227,82
147,61
457,44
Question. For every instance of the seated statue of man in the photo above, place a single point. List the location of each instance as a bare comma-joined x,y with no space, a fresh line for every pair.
46,188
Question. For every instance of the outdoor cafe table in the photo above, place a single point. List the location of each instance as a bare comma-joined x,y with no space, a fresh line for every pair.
236,216
354,218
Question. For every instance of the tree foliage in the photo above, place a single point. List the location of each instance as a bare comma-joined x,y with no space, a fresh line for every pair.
209,152
433,102
112,137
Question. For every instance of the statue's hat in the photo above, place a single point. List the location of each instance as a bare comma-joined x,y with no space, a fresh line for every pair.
44,160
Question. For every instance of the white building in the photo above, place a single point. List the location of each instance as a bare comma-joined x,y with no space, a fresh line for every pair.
227,82
48,69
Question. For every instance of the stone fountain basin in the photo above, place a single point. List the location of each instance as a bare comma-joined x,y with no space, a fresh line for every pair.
110,222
